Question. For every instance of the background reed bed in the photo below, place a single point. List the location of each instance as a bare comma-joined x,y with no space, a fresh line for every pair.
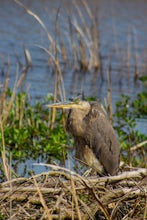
74,45
83,38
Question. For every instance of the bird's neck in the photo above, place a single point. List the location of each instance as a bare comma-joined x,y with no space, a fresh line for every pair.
77,123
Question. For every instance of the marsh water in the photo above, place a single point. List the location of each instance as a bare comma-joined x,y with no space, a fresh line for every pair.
123,43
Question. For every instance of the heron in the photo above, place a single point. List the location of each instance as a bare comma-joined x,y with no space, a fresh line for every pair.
95,140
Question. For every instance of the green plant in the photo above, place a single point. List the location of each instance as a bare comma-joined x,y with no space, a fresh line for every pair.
127,111
143,78
28,133
3,216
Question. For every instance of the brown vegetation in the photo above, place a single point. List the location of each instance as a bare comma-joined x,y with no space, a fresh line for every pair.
63,194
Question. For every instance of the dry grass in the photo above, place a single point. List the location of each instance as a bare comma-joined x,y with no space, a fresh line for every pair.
6,105
63,194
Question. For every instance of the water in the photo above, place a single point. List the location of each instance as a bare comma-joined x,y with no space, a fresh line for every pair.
122,31
119,23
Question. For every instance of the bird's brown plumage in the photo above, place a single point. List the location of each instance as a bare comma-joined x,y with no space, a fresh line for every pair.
95,139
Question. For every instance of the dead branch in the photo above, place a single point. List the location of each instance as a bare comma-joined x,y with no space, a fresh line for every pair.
138,146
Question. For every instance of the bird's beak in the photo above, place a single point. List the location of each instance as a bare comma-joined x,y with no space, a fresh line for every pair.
65,105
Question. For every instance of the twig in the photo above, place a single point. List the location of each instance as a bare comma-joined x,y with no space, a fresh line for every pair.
136,147
127,192
140,172
55,167
100,204
75,199
37,19
31,189
63,187
145,210
42,200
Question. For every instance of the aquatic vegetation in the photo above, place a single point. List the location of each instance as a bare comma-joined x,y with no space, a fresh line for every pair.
27,131
143,78
127,112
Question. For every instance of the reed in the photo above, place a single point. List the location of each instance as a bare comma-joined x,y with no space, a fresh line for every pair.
80,41
110,109
83,37
23,126
88,37
136,57
5,108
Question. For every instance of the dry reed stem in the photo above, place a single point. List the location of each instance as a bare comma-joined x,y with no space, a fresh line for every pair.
4,93
75,198
42,199
129,49
100,204
28,58
5,110
28,11
91,211
73,45
145,210
59,89
107,197
89,38
3,103
3,152
138,146
5,165
109,95
136,57
87,35
8,106
86,29
134,173
93,32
